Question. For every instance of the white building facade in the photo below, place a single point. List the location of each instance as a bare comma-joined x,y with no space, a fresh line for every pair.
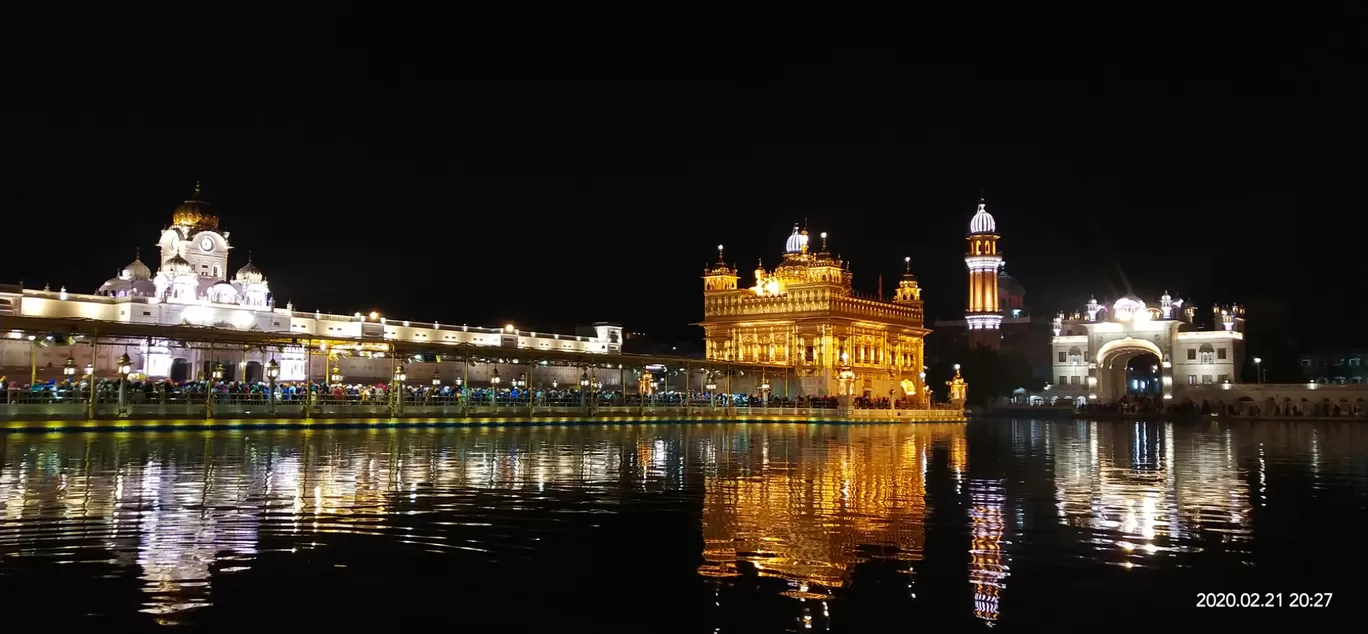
191,287
1095,351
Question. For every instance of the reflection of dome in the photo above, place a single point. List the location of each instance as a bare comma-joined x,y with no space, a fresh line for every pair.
136,270
249,272
195,213
982,222
178,264
797,241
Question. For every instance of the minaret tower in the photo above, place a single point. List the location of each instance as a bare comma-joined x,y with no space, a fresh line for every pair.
984,315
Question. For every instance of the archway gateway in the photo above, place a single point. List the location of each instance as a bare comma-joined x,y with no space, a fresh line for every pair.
1110,376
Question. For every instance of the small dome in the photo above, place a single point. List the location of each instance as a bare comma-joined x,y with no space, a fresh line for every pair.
178,264
222,293
249,272
982,222
195,213
136,270
796,242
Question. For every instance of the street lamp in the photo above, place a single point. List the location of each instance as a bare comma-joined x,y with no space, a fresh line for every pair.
218,370
69,368
494,381
272,373
125,365
584,380
436,378
90,370
336,376
1258,371
555,384
400,375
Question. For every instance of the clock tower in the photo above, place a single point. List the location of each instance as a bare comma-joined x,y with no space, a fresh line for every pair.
194,236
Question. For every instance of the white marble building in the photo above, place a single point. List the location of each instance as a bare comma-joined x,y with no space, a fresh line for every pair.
191,287
1092,349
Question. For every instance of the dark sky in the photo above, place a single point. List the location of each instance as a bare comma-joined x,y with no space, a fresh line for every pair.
559,183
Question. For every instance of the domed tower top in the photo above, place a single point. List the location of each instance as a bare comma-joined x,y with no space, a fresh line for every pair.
136,270
798,242
982,222
250,273
195,213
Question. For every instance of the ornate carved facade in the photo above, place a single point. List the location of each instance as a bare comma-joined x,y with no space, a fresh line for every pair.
804,317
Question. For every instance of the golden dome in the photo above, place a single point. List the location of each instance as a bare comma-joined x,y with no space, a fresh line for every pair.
195,213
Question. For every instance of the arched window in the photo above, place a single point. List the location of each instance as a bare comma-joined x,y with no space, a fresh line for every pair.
1206,354
1075,355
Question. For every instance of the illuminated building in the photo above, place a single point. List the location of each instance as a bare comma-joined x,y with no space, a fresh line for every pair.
803,318
191,286
1093,349
983,314
996,315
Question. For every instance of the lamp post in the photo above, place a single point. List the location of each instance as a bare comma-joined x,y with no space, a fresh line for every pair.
584,388
764,392
494,381
711,387
1258,369
436,383
125,366
397,398
217,375
69,368
272,373
594,386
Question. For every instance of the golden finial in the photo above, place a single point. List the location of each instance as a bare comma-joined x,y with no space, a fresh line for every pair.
907,262
720,259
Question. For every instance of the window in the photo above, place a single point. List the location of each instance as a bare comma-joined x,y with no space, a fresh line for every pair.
1206,354
1206,379
1220,353
1192,354
1074,380
1063,380
1306,363
1224,378
1063,356
1355,361
1192,378
1339,380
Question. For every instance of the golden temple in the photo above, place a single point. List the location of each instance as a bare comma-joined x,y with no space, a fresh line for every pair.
804,318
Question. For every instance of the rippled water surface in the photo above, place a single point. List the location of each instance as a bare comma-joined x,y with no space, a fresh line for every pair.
697,527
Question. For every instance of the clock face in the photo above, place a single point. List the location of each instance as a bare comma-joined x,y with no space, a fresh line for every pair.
207,243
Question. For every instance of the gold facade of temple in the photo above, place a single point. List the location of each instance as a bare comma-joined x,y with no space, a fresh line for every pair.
803,317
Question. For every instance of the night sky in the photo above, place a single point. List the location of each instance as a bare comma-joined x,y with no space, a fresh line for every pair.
370,172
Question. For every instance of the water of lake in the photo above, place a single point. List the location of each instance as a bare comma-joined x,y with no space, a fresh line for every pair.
689,527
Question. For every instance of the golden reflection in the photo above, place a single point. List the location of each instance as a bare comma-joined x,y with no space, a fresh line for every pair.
1145,487
988,565
797,501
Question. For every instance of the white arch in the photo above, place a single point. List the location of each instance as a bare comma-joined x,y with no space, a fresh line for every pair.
1114,347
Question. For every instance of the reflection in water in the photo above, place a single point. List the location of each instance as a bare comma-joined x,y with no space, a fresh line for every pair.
799,504
1142,491
988,569
804,522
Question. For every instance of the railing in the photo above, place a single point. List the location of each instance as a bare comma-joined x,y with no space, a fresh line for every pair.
198,405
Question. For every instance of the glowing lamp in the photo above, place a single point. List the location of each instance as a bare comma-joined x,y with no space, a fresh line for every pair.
436,378
272,370
336,376
765,387
218,370
69,367
125,364
459,381
584,379
494,377
90,369
374,315
399,375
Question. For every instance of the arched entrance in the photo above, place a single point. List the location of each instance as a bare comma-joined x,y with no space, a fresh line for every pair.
180,370
1129,366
